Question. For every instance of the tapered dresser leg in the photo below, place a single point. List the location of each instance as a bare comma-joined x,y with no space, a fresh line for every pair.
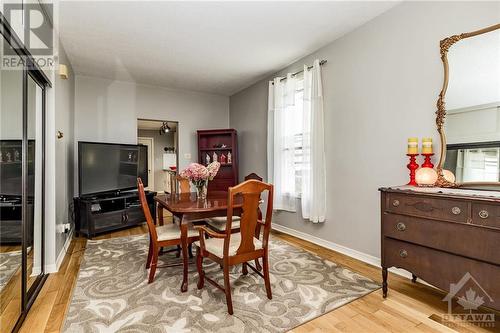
384,282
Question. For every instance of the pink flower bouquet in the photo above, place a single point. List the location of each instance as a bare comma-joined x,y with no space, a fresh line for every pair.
199,176
213,168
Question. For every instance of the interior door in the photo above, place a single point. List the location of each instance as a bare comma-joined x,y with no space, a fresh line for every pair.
149,142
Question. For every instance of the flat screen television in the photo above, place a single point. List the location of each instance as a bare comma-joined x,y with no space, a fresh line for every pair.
110,167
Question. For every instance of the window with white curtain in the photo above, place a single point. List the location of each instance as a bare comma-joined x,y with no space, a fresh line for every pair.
478,164
295,147
296,131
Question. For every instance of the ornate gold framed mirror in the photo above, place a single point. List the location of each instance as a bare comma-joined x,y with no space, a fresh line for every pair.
470,117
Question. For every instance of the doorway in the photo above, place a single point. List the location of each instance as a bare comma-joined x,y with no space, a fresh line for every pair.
161,138
149,142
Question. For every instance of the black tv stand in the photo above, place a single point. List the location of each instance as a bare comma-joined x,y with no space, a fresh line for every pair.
11,222
111,211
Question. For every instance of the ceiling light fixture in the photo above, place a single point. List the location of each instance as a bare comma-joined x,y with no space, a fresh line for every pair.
165,128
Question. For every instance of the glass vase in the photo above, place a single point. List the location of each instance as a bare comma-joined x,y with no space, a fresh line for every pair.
201,190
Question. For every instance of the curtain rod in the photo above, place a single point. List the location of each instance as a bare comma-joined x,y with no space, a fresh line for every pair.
321,63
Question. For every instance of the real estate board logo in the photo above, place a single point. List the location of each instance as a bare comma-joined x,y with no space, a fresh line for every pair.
464,301
31,24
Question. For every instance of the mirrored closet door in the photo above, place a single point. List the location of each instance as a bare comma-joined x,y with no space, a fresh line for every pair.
34,214
22,145
11,188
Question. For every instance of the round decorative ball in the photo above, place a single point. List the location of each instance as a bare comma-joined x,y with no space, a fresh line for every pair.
449,176
426,177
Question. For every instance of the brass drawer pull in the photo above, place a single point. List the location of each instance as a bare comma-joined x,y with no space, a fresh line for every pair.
484,214
456,210
403,253
395,203
401,226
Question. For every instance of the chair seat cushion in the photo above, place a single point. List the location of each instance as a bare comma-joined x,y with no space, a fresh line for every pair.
216,245
172,231
219,223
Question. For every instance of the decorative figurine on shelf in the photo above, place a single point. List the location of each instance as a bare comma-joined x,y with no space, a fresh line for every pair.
207,159
17,155
223,159
229,158
214,157
9,157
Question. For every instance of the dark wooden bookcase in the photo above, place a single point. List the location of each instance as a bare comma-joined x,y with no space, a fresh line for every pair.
210,142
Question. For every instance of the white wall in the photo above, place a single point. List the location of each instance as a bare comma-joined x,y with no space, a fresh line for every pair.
475,124
380,86
11,104
474,77
107,111
64,149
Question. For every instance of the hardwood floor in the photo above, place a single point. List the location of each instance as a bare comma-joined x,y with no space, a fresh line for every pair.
9,248
10,296
409,307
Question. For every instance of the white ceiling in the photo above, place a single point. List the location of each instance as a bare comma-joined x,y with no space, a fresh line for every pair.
214,47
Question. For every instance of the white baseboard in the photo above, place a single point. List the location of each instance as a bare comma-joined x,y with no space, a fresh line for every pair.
364,257
53,268
35,271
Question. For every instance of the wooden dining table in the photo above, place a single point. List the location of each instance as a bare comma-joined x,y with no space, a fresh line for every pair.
187,208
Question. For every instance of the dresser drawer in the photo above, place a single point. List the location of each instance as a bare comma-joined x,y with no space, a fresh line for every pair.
486,215
467,240
441,268
443,209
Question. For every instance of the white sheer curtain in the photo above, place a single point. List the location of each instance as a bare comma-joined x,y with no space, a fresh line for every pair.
295,146
281,169
313,147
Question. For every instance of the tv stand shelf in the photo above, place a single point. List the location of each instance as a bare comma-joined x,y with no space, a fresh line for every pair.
109,212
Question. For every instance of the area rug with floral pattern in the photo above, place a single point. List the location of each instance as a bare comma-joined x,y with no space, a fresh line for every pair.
10,262
112,293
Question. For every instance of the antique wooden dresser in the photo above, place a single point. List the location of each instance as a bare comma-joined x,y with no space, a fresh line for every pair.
440,235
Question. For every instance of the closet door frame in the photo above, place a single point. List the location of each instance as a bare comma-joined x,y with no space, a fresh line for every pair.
30,295
30,70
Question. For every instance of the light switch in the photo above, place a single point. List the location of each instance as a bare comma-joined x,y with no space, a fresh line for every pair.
187,156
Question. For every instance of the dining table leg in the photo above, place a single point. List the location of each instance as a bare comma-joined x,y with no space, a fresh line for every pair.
184,246
159,212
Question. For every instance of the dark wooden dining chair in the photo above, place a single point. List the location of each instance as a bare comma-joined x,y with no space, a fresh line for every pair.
184,186
160,236
219,223
229,249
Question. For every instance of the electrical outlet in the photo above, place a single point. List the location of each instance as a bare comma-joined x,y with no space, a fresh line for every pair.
187,156
63,228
